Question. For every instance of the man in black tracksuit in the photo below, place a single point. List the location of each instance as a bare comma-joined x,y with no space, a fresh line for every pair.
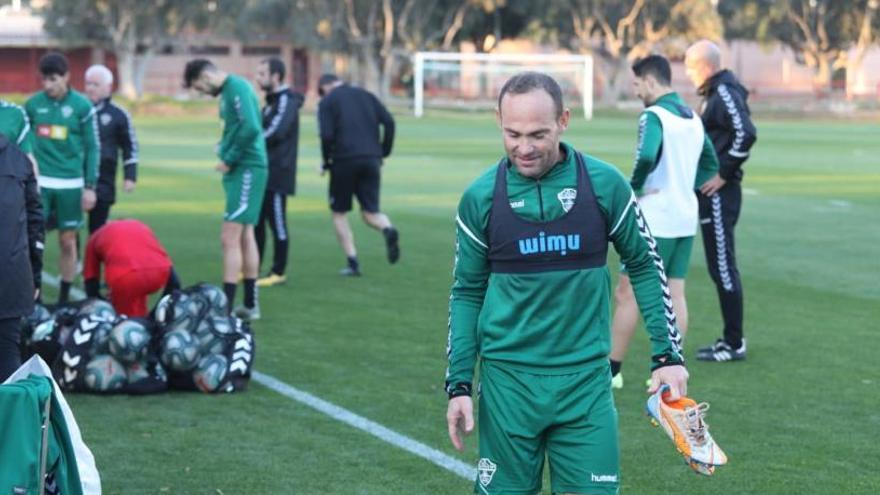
349,119
281,131
21,250
117,135
728,123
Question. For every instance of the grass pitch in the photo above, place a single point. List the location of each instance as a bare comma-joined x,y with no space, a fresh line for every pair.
799,416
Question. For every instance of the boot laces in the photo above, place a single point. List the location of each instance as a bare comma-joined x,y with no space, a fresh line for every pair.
696,424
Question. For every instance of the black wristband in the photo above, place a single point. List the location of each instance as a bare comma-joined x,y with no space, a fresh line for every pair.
458,389
663,360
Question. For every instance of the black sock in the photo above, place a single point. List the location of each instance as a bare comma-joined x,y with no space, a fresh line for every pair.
250,293
64,293
353,263
615,367
229,290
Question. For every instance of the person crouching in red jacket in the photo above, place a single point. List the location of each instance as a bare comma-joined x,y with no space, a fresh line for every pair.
136,265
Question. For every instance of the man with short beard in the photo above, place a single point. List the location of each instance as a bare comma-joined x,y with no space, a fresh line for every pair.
281,132
242,153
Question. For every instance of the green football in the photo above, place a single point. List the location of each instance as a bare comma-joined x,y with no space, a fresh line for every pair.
98,309
137,371
129,341
180,350
216,298
105,374
210,373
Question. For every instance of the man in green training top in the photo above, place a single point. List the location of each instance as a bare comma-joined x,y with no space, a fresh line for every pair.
15,125
67,149
243,162
530,299
674,157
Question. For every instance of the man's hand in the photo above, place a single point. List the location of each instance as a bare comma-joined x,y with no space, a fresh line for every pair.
222,168
88,199
712,185
128,185
674,376
322,169
460,418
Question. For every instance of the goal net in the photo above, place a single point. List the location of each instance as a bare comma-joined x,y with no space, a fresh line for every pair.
473,80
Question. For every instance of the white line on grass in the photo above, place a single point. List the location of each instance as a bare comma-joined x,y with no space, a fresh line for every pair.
340,414
371,427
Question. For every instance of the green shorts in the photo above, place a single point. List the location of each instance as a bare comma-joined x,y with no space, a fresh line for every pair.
64,205
569,418
244,187
676,255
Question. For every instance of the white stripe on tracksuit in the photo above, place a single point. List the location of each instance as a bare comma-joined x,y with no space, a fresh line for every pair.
280,228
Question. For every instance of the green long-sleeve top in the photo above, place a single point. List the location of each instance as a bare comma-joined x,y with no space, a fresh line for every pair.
551,322
650,145
65,131
15,125
242,142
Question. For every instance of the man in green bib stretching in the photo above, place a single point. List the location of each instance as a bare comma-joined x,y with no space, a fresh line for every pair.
243,163
67,149
530,299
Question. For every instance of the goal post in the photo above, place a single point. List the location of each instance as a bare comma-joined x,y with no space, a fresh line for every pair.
472,80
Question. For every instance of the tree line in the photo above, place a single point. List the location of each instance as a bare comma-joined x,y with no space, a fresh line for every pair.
825,35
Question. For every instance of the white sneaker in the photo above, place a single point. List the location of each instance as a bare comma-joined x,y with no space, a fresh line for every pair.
247,314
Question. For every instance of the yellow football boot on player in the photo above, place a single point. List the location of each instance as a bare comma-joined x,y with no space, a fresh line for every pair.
683,420
271,279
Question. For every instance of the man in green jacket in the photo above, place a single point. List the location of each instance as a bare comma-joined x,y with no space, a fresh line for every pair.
243,163
530,298
15,125
674,158
67,149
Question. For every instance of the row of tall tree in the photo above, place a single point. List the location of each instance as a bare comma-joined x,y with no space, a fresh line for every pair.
825,35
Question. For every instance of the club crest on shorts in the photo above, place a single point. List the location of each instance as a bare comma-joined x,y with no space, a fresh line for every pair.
566,197
486,470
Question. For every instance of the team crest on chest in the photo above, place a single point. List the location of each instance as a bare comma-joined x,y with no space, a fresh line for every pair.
486,470
66,111
106,119
567,197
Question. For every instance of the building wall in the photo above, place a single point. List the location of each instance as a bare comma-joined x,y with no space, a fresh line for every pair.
164,74
20,67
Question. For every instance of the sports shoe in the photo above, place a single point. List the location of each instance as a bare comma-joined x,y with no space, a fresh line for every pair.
246,313
683,420
271,279
617,381
392,238
721,351
350,272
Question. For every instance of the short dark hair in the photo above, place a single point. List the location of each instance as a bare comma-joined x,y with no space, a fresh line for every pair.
53,63
656,66
324,80
327,79
276,66
526,82
194,69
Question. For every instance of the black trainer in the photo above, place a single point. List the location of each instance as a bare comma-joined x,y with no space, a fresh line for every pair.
721,351
391,243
